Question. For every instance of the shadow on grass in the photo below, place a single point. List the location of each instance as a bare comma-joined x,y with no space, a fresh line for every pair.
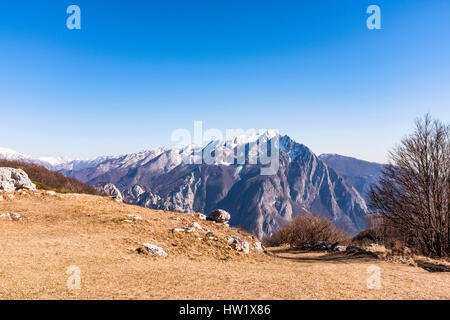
433,267
298,255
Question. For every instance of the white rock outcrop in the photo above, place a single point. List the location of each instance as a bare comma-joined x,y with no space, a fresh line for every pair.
111,190
153,249
219,216
258,246
12,179
135,216
238,244
194,225
10,216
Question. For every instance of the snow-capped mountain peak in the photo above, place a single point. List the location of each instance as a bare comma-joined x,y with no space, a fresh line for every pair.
252,138
53,163
8,153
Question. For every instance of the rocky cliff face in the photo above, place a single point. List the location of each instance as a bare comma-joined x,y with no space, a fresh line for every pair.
358,173
109,189
260,204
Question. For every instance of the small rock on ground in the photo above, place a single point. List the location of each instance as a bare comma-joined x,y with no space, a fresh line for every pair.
195,225
11,216
238,244
135,216
154,249
219,215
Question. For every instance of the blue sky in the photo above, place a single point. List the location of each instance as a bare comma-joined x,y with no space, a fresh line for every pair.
137,70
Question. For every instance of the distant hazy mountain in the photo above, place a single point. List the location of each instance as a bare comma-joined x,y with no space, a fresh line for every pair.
9,154
53,163
160,179
359,173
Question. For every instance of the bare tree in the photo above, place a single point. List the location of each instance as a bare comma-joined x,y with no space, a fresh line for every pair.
413,192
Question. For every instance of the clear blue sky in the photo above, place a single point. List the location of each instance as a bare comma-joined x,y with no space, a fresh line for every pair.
137,70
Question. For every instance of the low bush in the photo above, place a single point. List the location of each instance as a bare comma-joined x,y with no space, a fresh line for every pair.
307,228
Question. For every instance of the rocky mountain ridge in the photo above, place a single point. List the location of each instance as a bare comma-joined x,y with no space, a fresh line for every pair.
169,179
359,173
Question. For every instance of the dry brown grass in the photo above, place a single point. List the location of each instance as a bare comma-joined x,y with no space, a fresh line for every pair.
88,231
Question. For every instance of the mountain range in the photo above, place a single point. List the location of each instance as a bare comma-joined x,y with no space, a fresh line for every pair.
329,185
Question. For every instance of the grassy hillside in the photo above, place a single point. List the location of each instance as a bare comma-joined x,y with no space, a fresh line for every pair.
91,232
49,180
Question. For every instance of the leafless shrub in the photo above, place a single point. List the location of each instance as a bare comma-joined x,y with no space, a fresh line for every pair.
307,228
